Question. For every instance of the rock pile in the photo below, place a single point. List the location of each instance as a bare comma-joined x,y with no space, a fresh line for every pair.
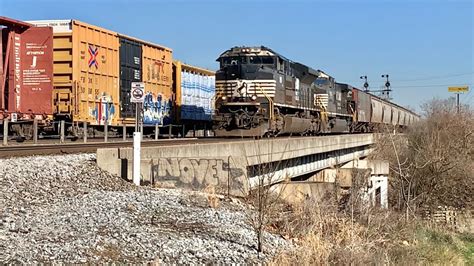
65,209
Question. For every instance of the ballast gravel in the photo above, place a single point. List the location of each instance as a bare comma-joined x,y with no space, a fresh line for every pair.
64,209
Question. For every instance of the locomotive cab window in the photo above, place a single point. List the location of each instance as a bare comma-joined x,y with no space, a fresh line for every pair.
233,60
265,60
281,65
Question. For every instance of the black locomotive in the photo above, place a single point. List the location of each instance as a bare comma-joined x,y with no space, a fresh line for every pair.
259,92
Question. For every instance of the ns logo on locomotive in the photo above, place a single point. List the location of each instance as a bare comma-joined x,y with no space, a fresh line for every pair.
261,93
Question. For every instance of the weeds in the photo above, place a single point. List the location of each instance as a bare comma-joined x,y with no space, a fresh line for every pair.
326,236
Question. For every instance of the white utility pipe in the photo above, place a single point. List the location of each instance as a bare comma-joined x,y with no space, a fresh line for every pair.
136,157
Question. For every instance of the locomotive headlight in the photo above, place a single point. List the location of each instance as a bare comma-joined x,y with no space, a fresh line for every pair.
224,98
254,97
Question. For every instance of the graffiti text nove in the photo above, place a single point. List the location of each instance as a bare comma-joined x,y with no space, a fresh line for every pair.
197,173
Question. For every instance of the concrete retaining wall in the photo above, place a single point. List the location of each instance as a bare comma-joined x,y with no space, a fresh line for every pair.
226,165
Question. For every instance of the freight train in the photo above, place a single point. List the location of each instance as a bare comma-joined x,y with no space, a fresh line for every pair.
261,93
68,70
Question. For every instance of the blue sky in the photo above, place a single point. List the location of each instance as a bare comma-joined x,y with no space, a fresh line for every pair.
423,45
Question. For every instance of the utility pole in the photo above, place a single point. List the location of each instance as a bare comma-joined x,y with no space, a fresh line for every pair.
457,91
457,101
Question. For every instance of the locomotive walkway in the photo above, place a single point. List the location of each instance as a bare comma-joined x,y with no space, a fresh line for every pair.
236,167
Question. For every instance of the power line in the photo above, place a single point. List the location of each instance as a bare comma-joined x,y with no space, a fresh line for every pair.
428,77
467,100
433,85
436,77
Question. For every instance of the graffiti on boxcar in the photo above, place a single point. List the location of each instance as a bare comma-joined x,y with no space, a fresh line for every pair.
156,72
156,110
198,173
104,110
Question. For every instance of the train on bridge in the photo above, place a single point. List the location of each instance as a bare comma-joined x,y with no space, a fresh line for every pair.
68,70
260,92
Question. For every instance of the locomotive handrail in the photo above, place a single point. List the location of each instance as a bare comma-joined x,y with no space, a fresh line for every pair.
324,113
270,101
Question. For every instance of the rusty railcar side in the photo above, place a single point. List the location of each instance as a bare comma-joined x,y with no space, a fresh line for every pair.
377,111
363,108
26,56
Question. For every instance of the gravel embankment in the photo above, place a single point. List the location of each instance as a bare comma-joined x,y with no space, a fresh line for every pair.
65,209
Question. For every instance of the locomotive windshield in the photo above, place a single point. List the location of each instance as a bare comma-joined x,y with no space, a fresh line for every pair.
266,60
233,60
236,60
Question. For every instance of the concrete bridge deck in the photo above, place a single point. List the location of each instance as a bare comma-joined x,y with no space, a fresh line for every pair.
236,167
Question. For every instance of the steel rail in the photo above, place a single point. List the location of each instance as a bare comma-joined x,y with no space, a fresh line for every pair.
19,150
43,149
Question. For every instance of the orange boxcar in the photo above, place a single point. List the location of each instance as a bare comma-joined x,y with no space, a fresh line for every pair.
87,75
86,72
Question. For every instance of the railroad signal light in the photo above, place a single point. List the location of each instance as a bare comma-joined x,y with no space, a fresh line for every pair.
366,84
387,90
387,83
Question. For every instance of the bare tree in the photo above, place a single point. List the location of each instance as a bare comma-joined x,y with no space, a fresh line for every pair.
432,163
266,199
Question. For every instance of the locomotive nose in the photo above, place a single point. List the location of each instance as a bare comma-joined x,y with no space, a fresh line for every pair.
241,89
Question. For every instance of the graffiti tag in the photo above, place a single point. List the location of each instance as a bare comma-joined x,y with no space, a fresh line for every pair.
156,110
198,173
104,110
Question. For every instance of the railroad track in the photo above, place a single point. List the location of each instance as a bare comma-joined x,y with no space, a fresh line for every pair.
44,149
17,150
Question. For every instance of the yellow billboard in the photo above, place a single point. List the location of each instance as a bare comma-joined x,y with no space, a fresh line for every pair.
458,89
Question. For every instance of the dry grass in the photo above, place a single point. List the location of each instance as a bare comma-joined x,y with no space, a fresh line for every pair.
325,236
212,198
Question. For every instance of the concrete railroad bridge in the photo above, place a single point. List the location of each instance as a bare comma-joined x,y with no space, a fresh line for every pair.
236,167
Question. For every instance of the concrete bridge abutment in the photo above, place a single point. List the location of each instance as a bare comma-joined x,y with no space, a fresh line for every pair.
235,166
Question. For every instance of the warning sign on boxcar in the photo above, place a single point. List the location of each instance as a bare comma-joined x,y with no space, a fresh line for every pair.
137,92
